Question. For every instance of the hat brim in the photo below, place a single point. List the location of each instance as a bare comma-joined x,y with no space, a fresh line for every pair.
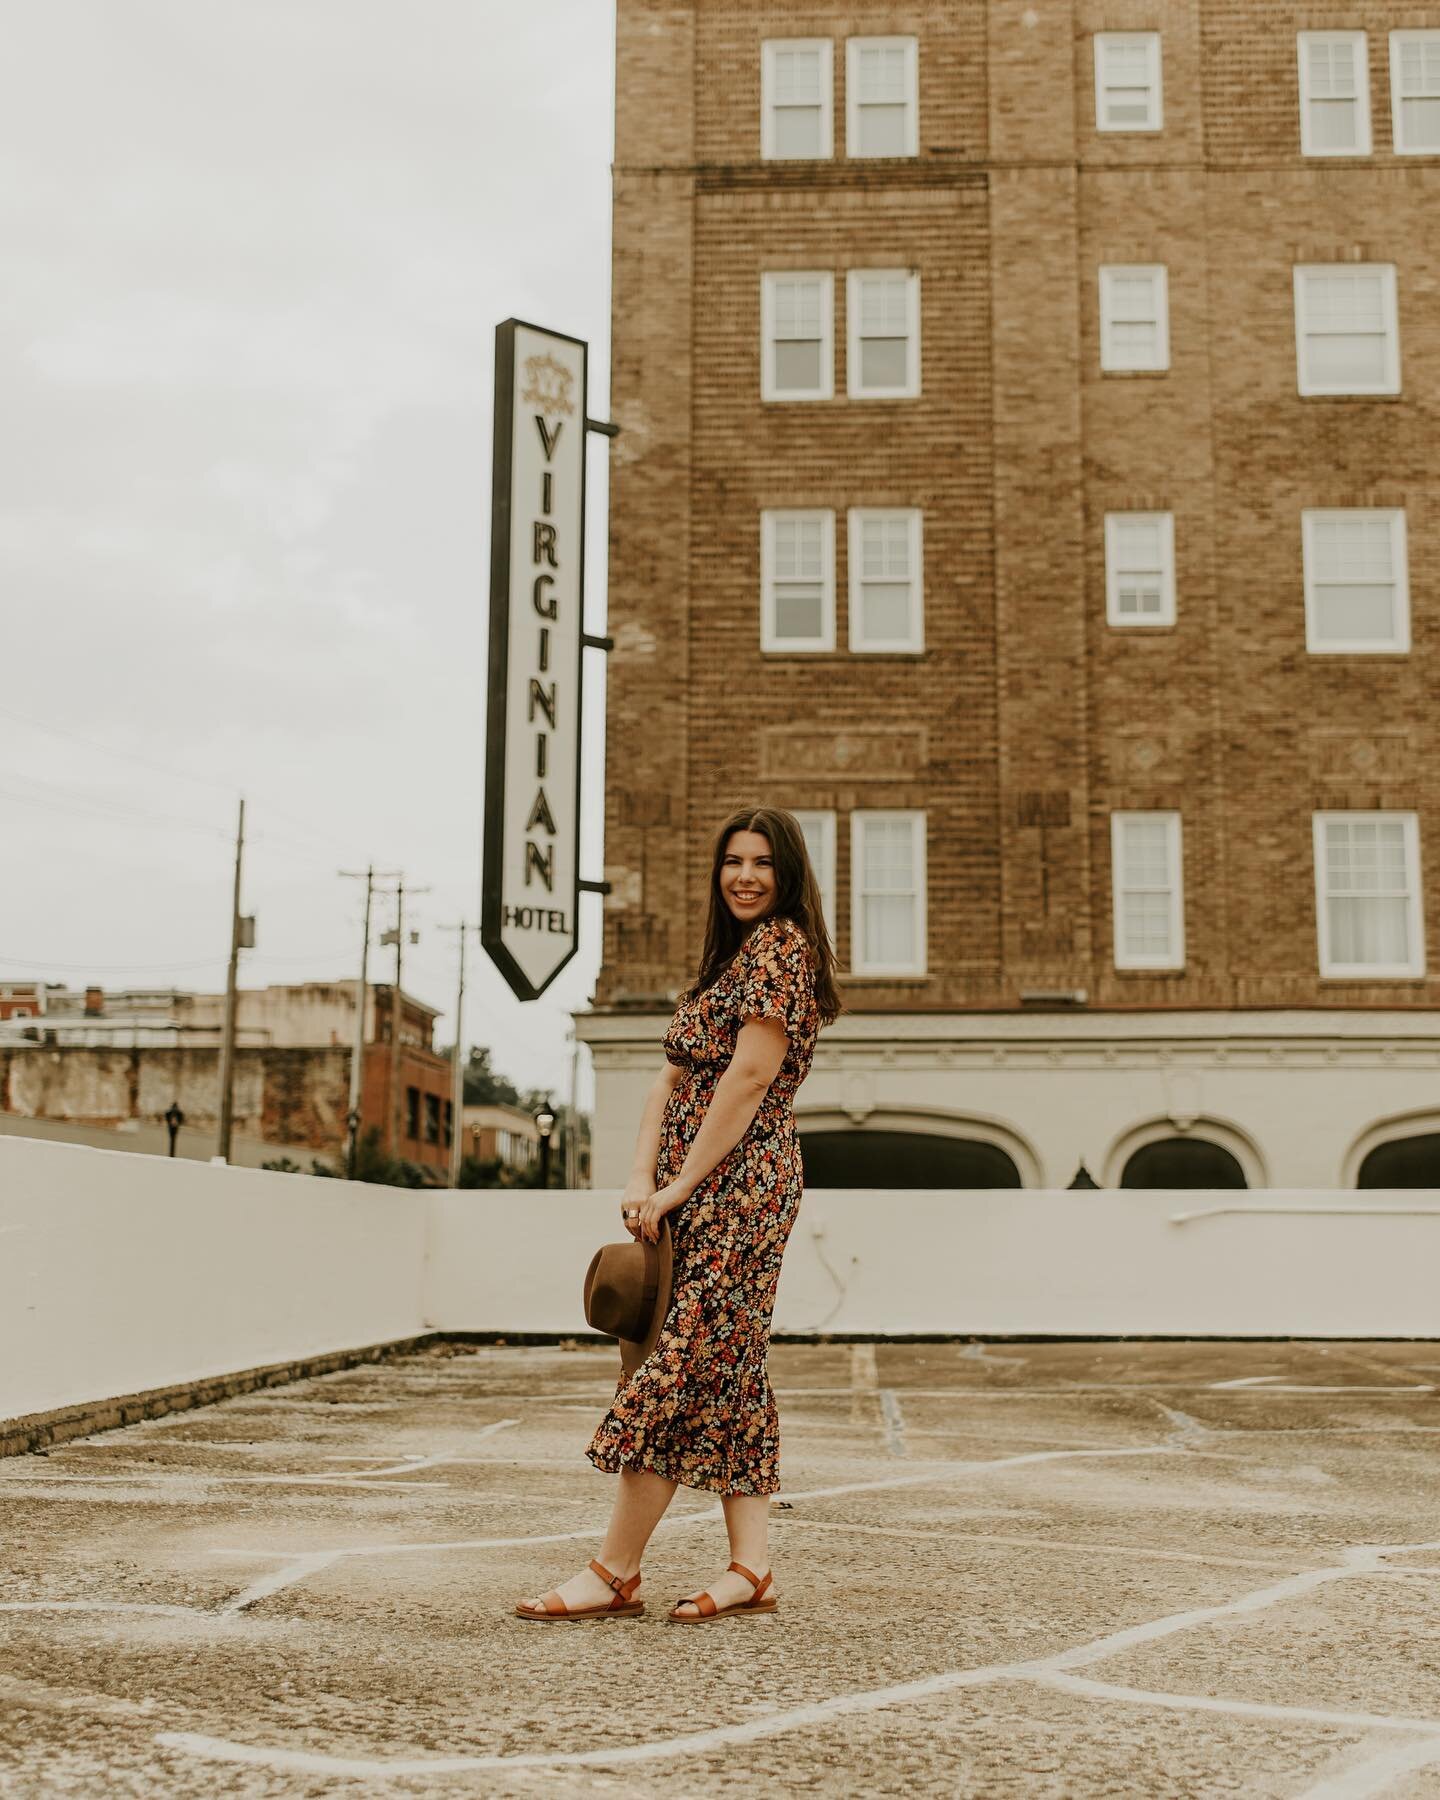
633,1351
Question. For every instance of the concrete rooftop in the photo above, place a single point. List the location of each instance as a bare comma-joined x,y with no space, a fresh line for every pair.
1181,1569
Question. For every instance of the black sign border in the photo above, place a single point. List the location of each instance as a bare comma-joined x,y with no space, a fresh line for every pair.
501,491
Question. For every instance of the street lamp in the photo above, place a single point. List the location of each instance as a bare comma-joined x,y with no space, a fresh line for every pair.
545,1124
174,1118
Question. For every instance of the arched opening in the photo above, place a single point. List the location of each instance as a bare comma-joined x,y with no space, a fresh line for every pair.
903,1159
1409,1162
1183,1162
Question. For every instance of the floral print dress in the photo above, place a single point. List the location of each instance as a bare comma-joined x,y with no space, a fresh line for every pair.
699,1409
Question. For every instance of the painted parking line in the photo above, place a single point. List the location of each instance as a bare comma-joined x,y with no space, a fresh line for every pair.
1278,1384
1056,1671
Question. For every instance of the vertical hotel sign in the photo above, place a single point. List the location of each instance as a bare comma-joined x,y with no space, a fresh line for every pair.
529,911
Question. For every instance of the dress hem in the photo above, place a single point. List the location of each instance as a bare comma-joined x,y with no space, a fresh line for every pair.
612,1464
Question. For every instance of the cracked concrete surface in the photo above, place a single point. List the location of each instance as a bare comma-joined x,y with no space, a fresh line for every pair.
1054,1569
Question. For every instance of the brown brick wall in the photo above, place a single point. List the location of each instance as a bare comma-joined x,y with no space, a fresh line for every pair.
1025,705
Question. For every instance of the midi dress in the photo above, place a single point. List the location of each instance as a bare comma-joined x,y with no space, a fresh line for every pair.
699,1410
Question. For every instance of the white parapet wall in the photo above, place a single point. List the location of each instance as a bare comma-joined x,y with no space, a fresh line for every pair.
123,1273
120,1273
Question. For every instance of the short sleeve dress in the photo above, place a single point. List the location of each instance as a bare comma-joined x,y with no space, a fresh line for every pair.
699,1410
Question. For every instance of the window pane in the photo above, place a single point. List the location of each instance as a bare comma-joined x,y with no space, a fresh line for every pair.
888,864
797,131
1139,595
799,547
889,929
1356,546
1345,301
884,548
1420,124
1332,67
797,77
797,309
884,362
1137,543
884,306
1354,614
881,72
885,611
799,610
1125,109
1146,924
882,131
797,366
1369,930
1334,125
1341,361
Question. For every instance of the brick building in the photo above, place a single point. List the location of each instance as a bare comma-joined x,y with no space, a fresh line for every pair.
1026,476
118,1060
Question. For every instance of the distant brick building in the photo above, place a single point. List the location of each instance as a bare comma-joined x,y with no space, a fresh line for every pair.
1027,475
123,1058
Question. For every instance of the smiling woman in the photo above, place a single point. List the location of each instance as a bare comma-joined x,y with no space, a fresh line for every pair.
719,1159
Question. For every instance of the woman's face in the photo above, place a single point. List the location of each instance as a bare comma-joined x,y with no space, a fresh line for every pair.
747,876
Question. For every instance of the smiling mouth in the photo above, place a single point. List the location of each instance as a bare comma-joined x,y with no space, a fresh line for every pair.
745,899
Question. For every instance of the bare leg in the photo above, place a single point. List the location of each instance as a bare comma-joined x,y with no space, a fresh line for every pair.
639,1507
747,1521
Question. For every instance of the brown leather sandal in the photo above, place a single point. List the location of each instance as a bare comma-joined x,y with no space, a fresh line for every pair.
707,1609
620,1607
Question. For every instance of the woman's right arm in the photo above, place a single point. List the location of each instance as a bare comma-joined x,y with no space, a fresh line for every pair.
641,1184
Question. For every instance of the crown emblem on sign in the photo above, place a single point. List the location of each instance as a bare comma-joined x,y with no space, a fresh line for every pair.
547,385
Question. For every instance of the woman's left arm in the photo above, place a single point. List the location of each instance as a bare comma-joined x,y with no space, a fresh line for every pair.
759,1051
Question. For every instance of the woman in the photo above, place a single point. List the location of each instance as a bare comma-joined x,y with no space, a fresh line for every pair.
718,1155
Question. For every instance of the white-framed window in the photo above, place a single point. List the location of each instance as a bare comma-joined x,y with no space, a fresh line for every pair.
1140,568
887,893
1415,92
797,315
1127,81
819,832
797,580
796,97
1347,330
1334,93
1148,890
1357,586
883,316
882,97
1367,894
887,607
1134,316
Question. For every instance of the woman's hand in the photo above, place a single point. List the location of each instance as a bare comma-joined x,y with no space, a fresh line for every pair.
654,1209
637,1191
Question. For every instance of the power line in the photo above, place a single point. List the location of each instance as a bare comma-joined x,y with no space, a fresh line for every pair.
230,788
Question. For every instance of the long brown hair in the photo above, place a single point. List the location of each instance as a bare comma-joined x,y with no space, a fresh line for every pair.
797,897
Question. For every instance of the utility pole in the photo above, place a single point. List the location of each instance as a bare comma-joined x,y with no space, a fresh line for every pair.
397,937
396,1010
357,1059
457,1073
242,937
572,1122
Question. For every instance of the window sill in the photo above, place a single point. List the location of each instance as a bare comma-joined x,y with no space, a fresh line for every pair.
845,656
1367,979
1391,650
1160,625
1135,374
1351,399
848,979
1166,972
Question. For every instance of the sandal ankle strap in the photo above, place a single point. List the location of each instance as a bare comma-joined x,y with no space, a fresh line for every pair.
623,1588
758,1582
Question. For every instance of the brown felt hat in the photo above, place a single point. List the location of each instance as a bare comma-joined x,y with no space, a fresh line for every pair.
627,1294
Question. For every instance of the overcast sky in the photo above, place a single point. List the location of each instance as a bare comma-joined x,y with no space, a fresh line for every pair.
255,254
